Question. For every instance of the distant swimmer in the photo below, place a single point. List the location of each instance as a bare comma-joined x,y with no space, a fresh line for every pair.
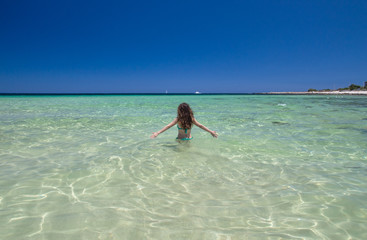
184,120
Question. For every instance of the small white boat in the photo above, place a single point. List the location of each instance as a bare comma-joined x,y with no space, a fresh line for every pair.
197,92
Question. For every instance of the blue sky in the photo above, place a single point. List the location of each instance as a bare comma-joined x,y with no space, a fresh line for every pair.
181,46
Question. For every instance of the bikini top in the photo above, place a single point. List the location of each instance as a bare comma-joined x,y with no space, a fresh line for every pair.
182,128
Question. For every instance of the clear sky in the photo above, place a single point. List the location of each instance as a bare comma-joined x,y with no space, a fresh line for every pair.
181,46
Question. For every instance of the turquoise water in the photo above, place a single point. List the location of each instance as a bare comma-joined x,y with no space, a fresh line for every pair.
84,167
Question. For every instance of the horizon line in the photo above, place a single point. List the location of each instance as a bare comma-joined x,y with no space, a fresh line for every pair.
129,93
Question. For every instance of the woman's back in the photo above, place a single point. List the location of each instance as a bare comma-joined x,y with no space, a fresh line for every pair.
183,132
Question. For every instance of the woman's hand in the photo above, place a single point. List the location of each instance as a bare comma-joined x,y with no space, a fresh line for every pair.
154,135
214,134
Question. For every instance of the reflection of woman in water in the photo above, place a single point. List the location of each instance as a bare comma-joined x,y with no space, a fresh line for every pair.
185,119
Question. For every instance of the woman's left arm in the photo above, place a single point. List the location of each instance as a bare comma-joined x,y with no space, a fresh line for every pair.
155,134
213,133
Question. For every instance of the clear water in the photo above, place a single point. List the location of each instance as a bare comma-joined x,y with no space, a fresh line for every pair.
84,167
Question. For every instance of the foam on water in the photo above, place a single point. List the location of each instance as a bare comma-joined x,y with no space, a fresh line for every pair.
283,167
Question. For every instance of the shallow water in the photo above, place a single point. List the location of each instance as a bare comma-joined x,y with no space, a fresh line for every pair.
283,167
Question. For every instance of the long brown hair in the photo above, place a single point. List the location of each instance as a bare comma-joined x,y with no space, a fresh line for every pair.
185,115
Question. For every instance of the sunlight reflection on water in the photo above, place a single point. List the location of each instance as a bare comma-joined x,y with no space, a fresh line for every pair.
84,167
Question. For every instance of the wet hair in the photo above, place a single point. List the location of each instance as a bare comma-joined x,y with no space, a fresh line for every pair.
185,115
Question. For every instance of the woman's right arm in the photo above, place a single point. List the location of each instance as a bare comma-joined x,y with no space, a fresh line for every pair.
213,133
155,134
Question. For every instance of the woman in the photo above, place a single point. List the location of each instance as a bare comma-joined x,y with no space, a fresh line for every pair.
184,120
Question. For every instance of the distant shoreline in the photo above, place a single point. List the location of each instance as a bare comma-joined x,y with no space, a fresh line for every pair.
319,93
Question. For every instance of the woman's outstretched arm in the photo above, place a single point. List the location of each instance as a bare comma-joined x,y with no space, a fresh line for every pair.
213,133
155,134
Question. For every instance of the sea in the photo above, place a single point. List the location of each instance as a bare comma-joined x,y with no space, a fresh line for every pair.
84,167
